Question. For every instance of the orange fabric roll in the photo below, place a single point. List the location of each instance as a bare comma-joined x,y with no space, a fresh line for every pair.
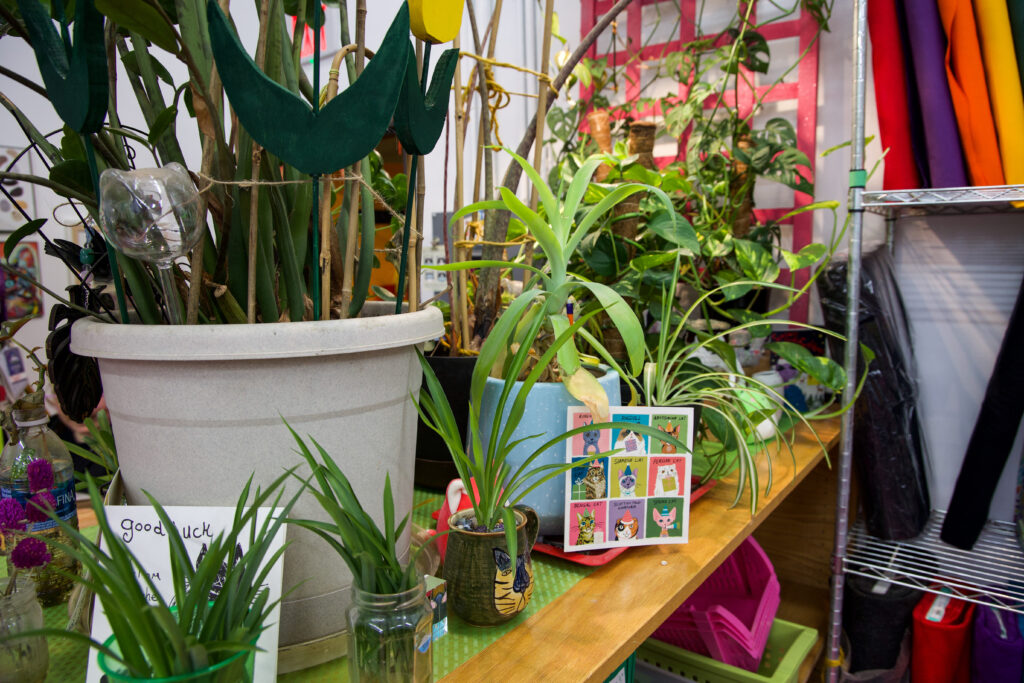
1003,84
966,73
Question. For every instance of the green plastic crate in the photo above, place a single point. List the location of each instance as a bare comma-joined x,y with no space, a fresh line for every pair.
788,646
625,672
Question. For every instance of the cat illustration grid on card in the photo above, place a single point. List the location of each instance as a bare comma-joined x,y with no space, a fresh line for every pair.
637,491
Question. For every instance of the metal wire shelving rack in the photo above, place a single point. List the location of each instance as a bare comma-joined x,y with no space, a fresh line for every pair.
993,571
895,204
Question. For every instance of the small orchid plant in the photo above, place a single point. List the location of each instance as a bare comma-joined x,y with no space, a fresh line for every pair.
29,552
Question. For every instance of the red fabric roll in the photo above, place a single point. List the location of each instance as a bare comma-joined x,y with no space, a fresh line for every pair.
887,61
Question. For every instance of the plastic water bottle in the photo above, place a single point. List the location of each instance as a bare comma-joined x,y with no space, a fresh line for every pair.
35,440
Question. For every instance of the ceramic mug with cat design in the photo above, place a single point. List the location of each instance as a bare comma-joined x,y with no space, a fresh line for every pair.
486,587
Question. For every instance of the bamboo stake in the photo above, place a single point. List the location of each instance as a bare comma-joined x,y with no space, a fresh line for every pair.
542,109
352,188
257,155
327,247
460,297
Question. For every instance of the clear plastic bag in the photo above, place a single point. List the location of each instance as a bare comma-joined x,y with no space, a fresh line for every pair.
889,453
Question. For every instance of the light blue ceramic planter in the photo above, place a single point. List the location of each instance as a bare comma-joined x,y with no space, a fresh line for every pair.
546,415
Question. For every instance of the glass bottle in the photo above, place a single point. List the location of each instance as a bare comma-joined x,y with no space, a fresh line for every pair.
35,440
389,637
24,660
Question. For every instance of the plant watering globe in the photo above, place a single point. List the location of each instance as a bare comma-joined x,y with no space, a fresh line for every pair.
152,214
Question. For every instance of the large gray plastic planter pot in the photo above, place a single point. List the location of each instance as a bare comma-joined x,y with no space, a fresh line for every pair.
196,409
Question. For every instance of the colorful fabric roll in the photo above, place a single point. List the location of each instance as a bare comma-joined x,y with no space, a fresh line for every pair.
965,72
928,52
887,64
1004,84
1016,10
913,105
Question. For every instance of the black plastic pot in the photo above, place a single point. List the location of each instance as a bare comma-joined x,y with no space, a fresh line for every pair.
434,466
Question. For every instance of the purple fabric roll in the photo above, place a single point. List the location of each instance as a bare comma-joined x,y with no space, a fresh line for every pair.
917,144
928,53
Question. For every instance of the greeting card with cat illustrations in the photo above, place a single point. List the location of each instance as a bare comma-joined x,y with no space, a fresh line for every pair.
638,491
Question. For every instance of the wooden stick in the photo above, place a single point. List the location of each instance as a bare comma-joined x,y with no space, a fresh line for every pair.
257,156
460,300
352,191
542,108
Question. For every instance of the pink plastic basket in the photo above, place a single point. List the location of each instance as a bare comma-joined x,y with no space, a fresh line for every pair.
730,616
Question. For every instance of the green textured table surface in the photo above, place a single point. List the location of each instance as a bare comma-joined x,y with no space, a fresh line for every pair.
553,578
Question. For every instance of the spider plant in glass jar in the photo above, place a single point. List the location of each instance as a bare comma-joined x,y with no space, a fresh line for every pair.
389,619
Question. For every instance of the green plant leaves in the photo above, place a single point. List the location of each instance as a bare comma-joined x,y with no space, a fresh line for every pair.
753,52
807,256
75,76
29,228
604,254
825,370
675,228
73,174
756,261
161,124
141,18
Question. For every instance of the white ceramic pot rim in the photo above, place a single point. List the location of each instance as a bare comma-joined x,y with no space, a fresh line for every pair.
91,337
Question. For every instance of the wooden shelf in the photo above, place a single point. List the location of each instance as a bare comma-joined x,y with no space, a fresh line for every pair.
592,628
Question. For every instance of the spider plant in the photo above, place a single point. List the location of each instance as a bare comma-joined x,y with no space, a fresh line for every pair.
499,487
385,642
158,636
369,552
732,405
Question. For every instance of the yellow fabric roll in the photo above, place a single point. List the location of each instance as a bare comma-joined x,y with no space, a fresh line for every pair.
1004,84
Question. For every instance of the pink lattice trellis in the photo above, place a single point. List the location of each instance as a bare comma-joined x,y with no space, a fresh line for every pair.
804,91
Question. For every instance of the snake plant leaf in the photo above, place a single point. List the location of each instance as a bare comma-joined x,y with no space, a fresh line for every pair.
436,21
75,77
419,120
316,143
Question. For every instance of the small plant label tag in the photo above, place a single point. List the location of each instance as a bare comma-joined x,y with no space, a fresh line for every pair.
144,533
637,491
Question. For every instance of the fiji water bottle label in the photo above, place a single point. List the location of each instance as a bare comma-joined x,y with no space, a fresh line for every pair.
64,494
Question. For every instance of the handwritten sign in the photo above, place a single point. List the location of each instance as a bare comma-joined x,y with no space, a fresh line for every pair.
638,493
141,529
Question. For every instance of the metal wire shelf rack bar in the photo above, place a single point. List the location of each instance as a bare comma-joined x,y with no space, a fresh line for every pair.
950,200
992,573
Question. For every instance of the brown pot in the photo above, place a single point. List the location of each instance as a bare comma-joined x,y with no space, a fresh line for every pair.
486,587
601,131
641,143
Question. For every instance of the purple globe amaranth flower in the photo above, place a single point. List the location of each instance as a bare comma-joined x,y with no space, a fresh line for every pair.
12,515
38,505
30,552
40,475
